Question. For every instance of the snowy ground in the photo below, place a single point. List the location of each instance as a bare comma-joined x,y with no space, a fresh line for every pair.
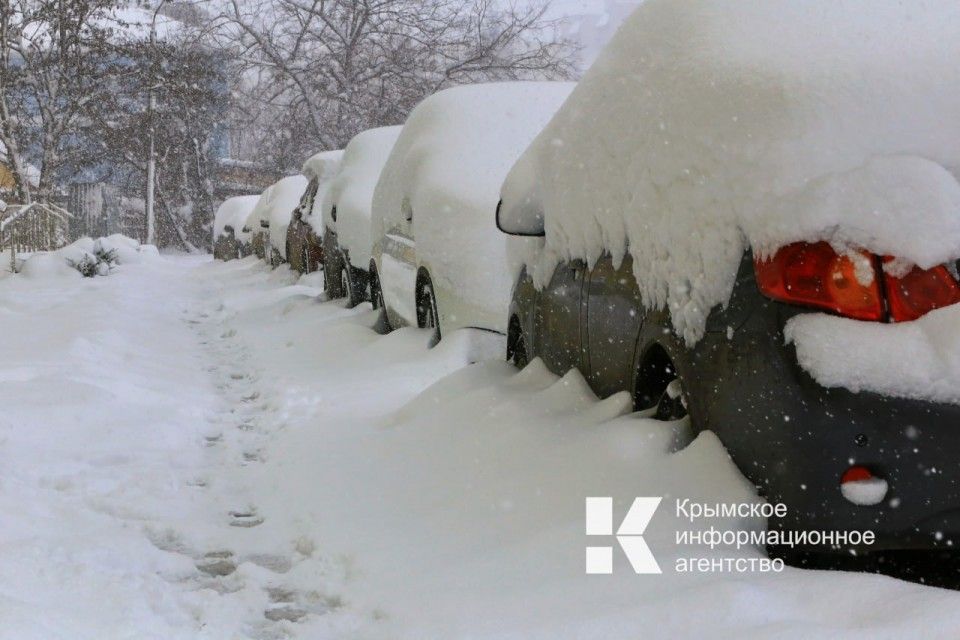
200,450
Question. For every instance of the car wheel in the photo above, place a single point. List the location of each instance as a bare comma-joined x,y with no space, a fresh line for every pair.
517,345
427,316
382,325
659,386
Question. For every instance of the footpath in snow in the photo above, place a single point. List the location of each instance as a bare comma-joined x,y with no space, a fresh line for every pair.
192,449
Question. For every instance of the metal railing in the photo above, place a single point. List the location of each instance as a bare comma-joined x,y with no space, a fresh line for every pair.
38,226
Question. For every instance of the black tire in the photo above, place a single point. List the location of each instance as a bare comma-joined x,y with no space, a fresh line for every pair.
517,352
427,315
382,324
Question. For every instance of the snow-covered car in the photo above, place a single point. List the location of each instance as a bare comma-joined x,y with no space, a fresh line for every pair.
438,259
346,214
304,249
270,217
228,223
748,212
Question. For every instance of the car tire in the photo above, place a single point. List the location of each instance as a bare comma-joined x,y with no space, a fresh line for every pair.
382,325
517,352
660,380
427,315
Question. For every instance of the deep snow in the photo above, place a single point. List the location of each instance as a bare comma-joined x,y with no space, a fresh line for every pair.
709,126
378,488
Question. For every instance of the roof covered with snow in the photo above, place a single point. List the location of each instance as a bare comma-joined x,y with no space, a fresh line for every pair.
448,166
323,165
234,212
708,125
351,191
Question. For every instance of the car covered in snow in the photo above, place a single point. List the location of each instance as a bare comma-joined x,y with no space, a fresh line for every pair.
304,249
346,211
438,260
748,213
270,217
228,224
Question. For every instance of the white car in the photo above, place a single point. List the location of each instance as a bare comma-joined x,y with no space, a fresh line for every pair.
346,213
228,223
439,260
270,217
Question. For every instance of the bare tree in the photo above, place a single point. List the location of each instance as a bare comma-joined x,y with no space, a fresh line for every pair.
320,71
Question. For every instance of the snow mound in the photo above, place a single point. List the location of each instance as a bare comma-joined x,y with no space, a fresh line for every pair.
323,165
707,126
352,191
233,212
47,266
919,359
63,261
447,169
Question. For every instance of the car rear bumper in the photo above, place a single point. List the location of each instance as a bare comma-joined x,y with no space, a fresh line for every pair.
794,439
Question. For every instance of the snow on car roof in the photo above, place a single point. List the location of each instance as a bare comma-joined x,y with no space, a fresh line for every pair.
352,190
233,211
707,126
449,163
323,165
276,199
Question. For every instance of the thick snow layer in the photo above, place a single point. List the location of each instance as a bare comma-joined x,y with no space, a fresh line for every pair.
234,212
351,191
918,359
264,457
323,165
59,263
710,125
276,205
447,168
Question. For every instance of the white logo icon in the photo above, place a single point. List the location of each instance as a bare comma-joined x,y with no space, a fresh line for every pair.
629,535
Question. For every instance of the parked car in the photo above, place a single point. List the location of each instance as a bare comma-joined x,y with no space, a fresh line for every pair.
438,259
346,214
228,224
271,215
304,246
748,216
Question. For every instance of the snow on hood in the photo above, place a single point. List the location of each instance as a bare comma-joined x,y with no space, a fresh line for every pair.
448,166
707,126
351,191
233,212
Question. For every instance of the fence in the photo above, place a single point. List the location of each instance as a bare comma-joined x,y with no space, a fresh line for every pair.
33,227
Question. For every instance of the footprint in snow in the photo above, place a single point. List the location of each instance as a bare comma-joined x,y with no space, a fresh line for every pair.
245,519
217,564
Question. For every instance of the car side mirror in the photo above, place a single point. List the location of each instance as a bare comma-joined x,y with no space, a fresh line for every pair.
228,228
523,221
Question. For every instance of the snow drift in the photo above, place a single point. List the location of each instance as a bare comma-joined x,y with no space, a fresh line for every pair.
446,169
710,126
351,191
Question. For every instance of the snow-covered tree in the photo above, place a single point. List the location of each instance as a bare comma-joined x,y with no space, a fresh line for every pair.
54,56
320,71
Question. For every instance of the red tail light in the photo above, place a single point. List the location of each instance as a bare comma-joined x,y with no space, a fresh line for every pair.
815,275
919,292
